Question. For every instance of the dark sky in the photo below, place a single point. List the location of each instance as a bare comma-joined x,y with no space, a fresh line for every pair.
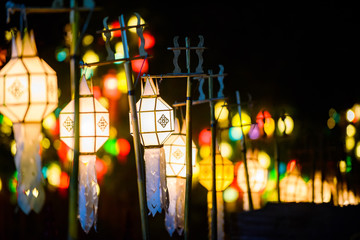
285,54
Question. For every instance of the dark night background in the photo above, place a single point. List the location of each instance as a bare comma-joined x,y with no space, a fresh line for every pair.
294,55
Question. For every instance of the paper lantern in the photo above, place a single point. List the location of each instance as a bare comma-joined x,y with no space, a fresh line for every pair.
322,190
28,88
293,188
93,133
156,123
224,177
175,154
257,178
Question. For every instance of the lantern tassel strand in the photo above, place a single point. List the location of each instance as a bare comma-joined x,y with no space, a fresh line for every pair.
88,194
31,194
156,190
174,218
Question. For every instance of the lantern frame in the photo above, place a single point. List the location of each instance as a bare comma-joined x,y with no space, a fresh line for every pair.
28,85
224,172
98,115
155,116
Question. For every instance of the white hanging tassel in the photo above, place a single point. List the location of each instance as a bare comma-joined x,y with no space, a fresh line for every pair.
174,218
31,194
88,195
156,190
220,214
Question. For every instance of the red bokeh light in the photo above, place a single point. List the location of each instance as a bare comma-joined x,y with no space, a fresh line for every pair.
205,137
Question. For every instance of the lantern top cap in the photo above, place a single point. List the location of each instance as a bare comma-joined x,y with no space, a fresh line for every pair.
84,88
24,47
149,88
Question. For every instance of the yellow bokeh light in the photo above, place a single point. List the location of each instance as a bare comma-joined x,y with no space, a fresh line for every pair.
331,123
269,126
50,121
0,184
350,130
13,147
204,151
357,150
87,40
264,159
246,121
342,166
90,57
349,143
53,173
225,149
122,84
133,21
221,111
285,125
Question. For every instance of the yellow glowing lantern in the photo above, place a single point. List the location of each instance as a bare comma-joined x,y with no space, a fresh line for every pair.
224,177
257,178
28,87
322,191
175,154
93,132
293,188
245,119
156,123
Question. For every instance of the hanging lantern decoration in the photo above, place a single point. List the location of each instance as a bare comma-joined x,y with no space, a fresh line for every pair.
93,133
224,177
156,123
322,189
28,88
257,179
292,187
175,154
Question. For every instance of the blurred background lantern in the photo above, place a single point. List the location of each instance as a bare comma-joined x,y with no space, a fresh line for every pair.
321,190
175,154
224,177
156,123
292,187
28,87
258,177
93,132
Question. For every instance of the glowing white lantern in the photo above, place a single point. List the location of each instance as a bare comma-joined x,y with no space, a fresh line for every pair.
293,188
175,154
28,88
156,123
94,131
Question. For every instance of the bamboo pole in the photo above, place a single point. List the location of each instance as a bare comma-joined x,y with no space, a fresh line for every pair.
213,161
188,145
251,206
75,81
136,137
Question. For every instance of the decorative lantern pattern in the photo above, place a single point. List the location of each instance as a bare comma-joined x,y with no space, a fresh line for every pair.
28,88
175,154
94,131
224,177
257,178
156,123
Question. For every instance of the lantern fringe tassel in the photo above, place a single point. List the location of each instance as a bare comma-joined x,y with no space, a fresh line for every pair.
88,194
31,194
174,218
156,188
